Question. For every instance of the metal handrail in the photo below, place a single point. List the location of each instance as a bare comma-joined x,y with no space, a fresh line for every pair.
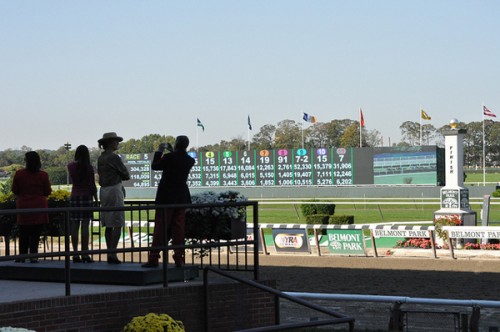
398,301
67,253
339,318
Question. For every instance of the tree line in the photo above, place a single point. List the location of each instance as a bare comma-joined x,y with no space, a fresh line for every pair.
288,134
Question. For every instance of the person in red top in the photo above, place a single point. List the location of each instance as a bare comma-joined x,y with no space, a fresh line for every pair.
83,194
31,186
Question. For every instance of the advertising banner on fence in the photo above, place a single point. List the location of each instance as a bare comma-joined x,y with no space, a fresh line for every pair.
291,240
249,237
401,233
346,242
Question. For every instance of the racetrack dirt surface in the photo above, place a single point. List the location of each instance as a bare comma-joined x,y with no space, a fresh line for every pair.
429,278
413,277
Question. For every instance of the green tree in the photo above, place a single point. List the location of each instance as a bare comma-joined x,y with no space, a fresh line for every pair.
146,144
410,131
428,134
236,144
351,136
493,143
316,136
264,139
473,144
9,157
373,138
288,135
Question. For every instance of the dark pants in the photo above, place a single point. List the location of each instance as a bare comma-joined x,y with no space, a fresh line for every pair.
175,220
29,238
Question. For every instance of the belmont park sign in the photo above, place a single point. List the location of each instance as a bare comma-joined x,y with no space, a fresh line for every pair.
400,233
478,232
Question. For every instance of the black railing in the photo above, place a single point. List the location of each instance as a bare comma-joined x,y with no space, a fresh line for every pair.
338,318
240,254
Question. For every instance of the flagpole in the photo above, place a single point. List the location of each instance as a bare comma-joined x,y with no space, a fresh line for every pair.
360,130
420,116
248,134
302,131
484,152
197,144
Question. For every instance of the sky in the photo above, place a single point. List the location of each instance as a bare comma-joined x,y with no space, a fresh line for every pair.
72,70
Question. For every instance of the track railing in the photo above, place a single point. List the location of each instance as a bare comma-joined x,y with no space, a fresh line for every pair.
338,318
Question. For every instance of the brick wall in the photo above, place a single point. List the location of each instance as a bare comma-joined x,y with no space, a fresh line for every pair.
232,306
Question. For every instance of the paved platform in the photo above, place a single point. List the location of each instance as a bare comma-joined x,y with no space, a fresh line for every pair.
95,273
27,281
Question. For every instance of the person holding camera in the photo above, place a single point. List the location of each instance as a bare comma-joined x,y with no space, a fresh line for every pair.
172,189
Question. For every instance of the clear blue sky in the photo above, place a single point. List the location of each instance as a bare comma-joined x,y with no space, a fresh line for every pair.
71,70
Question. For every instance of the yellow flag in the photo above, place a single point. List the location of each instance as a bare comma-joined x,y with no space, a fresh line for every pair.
424,115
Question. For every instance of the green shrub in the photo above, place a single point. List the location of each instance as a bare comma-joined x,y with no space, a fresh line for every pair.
341,220
328,209
154,323
317,219
57,175
496,193
308,209
311,209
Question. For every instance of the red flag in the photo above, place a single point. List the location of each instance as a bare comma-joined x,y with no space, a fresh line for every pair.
487,112
361,119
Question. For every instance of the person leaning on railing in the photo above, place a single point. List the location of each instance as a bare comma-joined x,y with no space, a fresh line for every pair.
31,186
83,194
111,172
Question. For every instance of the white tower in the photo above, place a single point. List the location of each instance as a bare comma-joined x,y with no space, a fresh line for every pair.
454,196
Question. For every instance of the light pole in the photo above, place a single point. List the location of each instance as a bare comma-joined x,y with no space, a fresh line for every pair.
67,147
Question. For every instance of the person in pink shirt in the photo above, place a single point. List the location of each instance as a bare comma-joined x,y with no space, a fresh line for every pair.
83,194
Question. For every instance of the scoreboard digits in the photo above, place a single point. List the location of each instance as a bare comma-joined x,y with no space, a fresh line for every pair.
246,168
342,167
265,168
298,167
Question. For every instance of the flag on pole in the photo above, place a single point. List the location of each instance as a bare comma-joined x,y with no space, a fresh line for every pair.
424,115
249,123
361,118
199,124
309,118
487,112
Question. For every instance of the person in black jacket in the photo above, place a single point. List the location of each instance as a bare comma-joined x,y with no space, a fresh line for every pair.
172,189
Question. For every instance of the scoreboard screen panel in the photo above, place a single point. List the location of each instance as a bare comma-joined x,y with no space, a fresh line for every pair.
300,167
194,177
343,174
284,167
139,168
322,167
210,168
229,169
246,168
265,168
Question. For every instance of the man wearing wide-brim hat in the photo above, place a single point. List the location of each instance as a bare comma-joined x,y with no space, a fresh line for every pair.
111,172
